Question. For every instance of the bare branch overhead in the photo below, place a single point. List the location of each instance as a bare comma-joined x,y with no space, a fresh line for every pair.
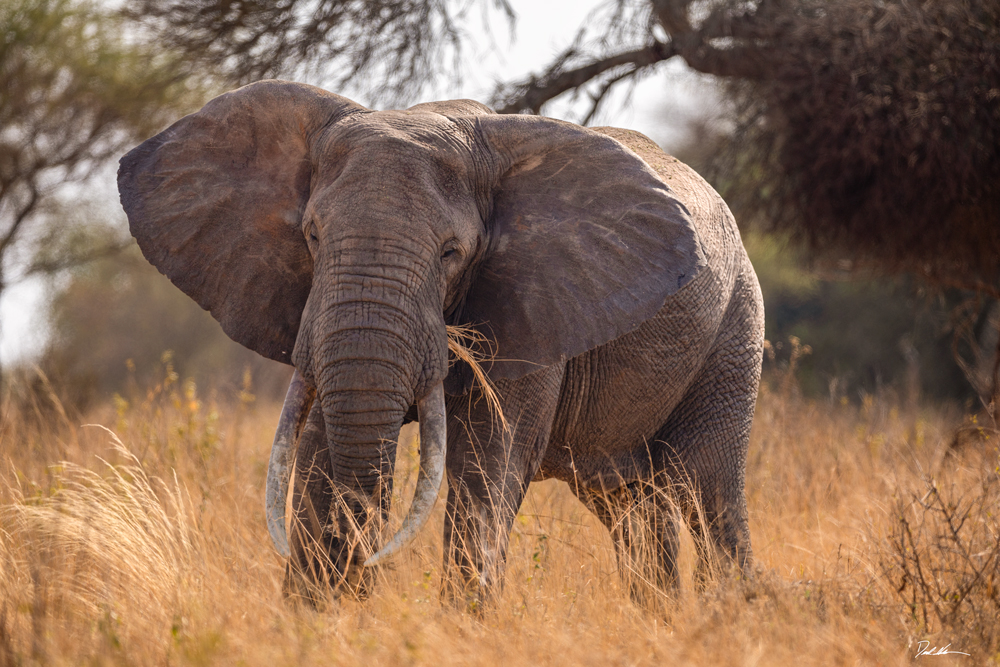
392,49
532,94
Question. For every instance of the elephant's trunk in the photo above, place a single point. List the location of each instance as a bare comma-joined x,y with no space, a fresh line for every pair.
373,342
371,360
365,384
433,443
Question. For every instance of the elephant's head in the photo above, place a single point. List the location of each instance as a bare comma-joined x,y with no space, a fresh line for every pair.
342,241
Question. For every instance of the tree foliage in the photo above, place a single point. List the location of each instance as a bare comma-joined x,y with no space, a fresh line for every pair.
113,320
399,45
73,94
874,131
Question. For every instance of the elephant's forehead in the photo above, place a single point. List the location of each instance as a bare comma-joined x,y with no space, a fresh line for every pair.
407,132
396,164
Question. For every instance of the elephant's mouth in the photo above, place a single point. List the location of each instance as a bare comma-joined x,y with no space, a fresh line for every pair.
298,401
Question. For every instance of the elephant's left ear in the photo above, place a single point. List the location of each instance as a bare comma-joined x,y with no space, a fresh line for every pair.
586,243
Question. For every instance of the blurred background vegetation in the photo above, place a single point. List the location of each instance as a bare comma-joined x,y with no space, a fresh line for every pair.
857,142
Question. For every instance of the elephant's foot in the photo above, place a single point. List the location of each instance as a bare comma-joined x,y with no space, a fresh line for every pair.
308,584
722,540
465,595
474,560
647,560
316,586
472,583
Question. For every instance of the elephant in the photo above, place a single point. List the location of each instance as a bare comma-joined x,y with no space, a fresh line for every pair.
609,280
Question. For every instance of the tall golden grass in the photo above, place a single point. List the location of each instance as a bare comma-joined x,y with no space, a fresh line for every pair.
143,541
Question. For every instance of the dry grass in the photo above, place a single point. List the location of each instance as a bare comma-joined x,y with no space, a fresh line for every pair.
154,551
473,348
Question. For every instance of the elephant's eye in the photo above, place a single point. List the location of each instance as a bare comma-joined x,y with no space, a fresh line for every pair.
449,251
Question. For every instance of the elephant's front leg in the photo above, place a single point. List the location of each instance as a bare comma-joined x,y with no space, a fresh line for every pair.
489,469
309,573
642,518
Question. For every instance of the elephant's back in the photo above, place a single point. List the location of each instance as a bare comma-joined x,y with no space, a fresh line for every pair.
712,219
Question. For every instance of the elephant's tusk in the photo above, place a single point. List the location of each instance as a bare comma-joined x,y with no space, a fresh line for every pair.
433,445
294,412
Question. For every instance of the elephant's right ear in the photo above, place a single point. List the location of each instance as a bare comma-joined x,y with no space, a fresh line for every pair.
216,201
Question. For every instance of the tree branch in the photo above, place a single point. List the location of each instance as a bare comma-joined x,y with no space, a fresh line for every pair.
673,16
744,62
19,219
599,96
532,94
695,44
61,263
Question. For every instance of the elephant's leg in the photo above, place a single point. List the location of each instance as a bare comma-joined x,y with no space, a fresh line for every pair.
642,520
707,437
488,475
310,572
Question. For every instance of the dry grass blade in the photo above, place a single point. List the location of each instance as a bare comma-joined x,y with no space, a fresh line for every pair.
468,345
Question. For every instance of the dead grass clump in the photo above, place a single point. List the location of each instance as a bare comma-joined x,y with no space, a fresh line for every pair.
159,554
470,347
942,557
119,548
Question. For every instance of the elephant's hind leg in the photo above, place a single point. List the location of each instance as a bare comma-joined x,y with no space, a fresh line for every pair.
707,436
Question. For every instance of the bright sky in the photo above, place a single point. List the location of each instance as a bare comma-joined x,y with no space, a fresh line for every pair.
659,106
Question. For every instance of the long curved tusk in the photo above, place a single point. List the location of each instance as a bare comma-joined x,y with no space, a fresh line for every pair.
433,446
294,412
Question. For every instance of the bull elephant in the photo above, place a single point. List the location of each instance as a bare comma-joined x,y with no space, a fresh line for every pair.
610,279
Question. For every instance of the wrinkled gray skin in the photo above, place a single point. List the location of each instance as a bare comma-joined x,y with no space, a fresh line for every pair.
627,320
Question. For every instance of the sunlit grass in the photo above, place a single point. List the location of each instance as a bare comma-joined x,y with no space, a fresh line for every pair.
143,541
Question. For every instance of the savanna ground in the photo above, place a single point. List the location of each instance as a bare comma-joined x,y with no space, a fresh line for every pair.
142,541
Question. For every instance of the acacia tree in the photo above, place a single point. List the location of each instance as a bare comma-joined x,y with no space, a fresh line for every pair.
395,46
872,126
869,129
73,95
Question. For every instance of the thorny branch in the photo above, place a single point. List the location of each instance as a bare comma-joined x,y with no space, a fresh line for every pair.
711,47
536,91
946,554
